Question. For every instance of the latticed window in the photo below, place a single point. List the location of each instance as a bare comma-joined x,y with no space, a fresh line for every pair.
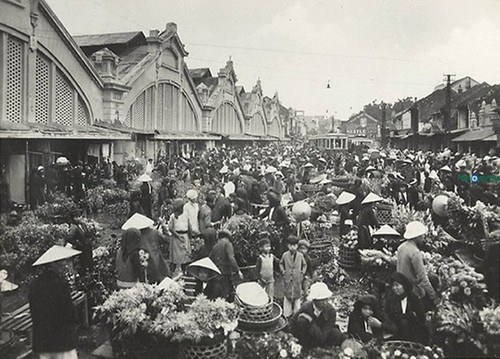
42,94
149,108
189,119
226,120
14,80
64,101
138,112
82,117
160,107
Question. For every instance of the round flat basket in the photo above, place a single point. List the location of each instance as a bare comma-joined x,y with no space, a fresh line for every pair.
254,314
262,325
200,351
348,257
410,348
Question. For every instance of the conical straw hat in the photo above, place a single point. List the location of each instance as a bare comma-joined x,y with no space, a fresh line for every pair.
372,197
144,178
345,197
56,253
194,268
386,230
138,221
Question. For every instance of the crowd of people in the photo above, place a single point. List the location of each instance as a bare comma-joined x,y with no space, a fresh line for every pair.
261,182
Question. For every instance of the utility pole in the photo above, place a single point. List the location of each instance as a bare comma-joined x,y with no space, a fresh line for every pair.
447,116
383,130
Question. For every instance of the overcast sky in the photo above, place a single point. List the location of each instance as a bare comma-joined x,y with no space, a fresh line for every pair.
367,49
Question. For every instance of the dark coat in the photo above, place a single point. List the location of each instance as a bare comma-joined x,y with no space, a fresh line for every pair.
322,331
413,196
53,313
411,325
366,218
356,326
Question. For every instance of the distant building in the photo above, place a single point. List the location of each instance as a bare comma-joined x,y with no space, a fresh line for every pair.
362,125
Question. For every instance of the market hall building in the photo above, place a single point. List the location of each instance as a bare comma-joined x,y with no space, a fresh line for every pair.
50,96
118,96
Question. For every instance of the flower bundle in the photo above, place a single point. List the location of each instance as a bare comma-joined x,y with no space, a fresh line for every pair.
375,258
490,317
350,240
324,203
457,323
383,352
162,313
268,346
462,283
58,210
402,215
205,319
138,308
464,220
246,240
333,274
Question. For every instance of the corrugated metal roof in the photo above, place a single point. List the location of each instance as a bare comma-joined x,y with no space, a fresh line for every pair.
475,135
106,39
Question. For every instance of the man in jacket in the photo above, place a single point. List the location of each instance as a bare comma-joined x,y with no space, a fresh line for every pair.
314,324
52,310
410,263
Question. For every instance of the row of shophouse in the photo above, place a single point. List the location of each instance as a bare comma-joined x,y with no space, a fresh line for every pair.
119,96
473,125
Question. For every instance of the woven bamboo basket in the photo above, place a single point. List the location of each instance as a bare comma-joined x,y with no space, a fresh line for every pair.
254,314
215,350
348,257
384,216
410,348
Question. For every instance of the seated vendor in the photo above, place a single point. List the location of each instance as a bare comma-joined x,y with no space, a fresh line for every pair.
405,309
314,324
367,321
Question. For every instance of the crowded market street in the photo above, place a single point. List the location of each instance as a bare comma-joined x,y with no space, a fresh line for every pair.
150,209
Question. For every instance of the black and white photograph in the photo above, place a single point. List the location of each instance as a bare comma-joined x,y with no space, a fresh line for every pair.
238,179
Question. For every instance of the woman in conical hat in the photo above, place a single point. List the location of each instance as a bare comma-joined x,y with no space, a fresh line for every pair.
52,310
367,221
344,201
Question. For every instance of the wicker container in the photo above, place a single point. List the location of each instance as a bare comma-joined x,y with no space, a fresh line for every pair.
254,314
320,245
384,216
213,349
348,257
262,325
410,348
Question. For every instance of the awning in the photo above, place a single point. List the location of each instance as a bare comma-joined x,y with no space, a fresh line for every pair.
241,137
476,135
186,136
9,130
124,129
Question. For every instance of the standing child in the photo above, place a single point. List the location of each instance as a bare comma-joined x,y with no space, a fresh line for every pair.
265,267
309,274
293,266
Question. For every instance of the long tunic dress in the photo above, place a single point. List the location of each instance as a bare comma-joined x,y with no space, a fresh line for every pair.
180,248
157,265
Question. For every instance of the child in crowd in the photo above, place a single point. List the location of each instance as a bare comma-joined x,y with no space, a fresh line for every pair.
265,267
309,274
293,266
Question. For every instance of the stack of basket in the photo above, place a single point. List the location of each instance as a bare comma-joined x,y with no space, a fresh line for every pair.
258,313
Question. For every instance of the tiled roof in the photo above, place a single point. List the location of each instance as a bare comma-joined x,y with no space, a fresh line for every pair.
128,61
432,104
106,39
200,72
467,97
